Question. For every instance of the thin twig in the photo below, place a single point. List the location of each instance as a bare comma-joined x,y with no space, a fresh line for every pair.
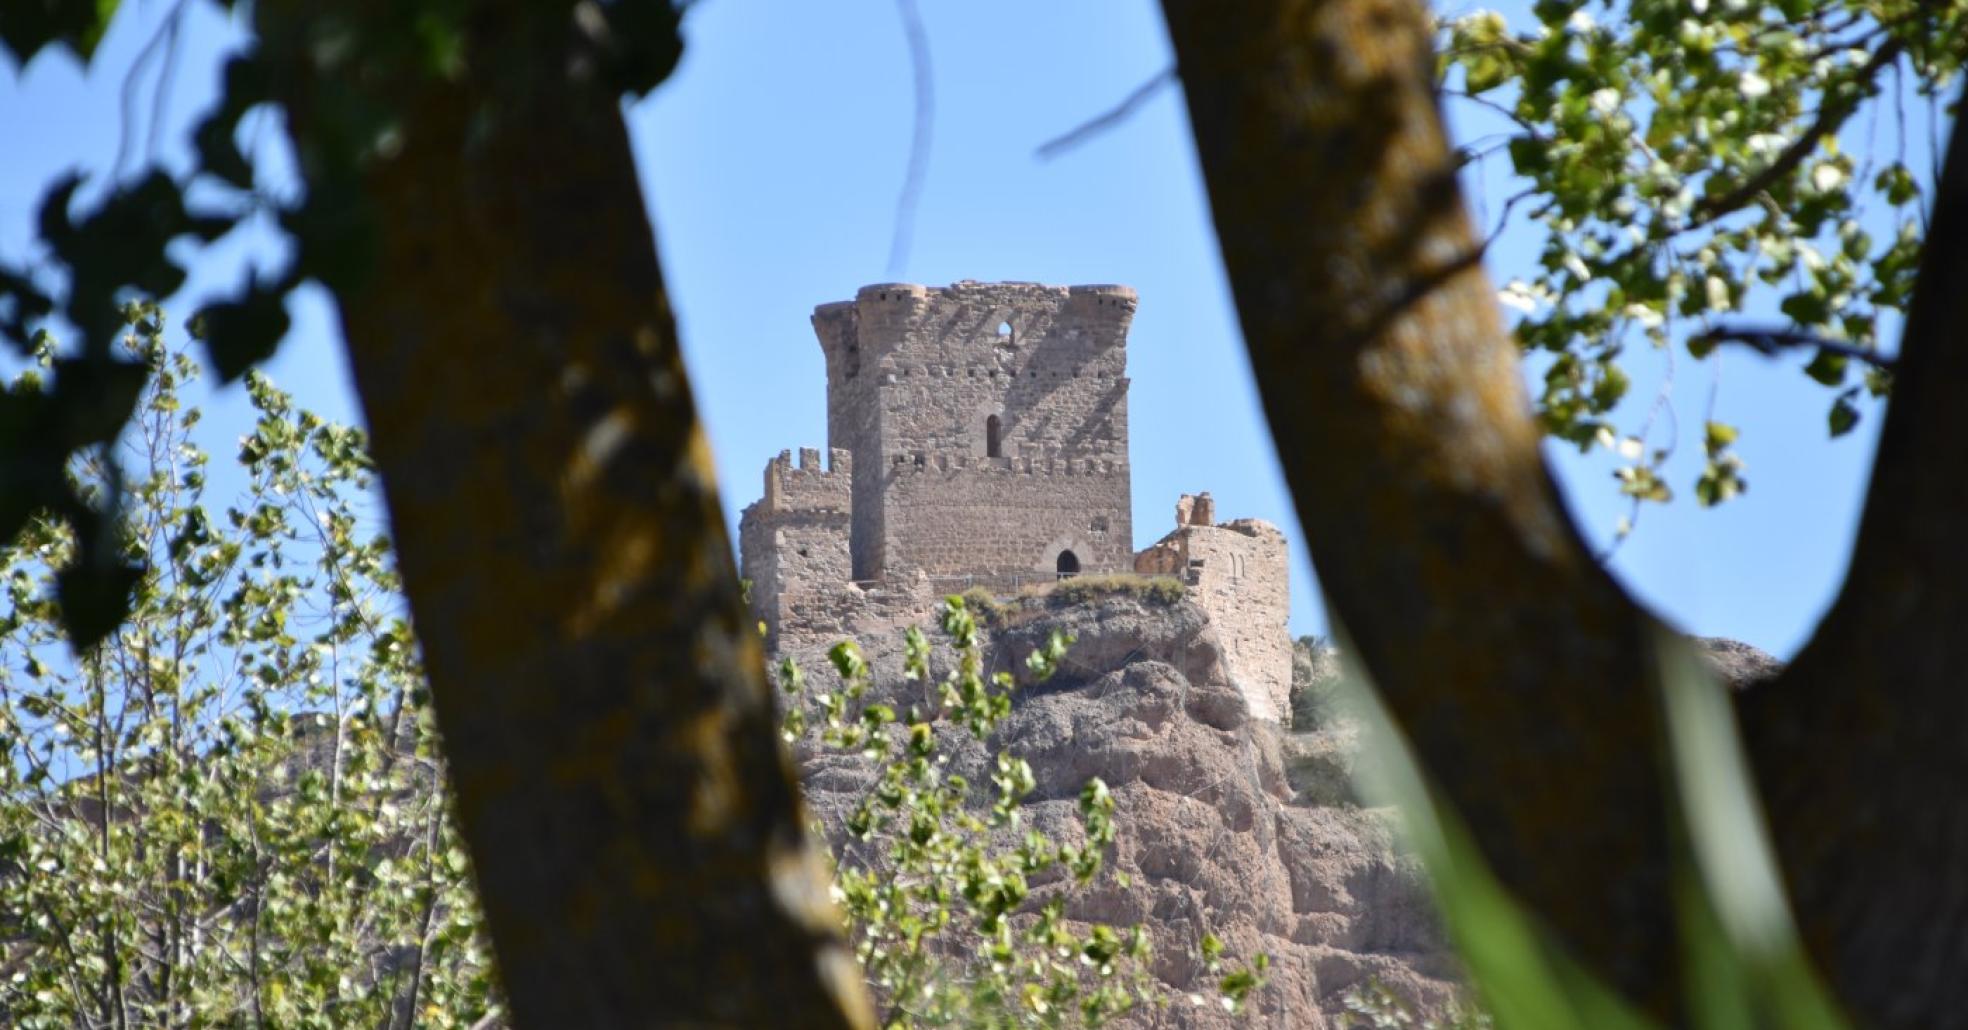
126,132
919,138
160,105
1530,128
1107,119
1503,217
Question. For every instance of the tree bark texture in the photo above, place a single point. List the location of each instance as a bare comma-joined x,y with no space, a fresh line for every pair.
640,849
1861,746
1522,673
1520,670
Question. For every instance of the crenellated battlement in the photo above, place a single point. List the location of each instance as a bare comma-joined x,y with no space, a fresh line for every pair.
903,326
923,462
807,486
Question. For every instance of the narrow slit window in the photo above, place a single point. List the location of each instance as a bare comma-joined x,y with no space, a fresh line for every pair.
993,437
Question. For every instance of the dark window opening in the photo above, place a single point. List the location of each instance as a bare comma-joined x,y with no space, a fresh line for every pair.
993,444
1069,565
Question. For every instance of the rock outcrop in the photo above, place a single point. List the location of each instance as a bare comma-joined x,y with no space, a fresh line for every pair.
1737,665
1216,832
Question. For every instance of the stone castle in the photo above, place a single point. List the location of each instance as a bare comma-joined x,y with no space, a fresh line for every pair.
977,436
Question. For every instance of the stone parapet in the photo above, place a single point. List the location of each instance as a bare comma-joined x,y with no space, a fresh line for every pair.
807,486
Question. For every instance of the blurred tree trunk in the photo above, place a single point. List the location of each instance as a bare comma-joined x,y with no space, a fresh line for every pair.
1862,744
1517,666
636,832
1522,673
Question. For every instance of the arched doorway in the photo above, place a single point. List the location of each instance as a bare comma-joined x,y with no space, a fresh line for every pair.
1069,565
993,443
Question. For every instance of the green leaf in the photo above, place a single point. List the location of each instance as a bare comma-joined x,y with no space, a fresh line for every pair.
22,306
641,43
1807,307
1878,381
30,25
244,331
1529,156
1827,367
95,597
1212,947
1612,386
1897,183
1718,437
216,136
1484,71
93,399
1844,415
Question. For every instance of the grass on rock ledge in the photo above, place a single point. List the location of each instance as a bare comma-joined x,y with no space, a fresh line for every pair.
1031,602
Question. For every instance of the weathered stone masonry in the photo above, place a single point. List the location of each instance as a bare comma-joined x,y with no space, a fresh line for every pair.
968,408
1237,571
978,436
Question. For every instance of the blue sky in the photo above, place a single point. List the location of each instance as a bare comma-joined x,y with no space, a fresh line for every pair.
773,160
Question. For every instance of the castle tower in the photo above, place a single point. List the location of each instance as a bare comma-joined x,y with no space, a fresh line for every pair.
988,428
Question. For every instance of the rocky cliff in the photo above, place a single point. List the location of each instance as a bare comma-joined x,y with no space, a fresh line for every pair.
1227,824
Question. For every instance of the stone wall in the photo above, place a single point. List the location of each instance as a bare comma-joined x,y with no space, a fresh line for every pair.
927,375
1006,520
794,540
814,620
1238,572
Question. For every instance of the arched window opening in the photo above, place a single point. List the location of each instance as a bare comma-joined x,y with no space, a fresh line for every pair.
993,440
1004,333
1069,565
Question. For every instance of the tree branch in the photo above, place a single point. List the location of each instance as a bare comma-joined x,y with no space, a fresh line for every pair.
1832,113
919,137
1106,119
1771,341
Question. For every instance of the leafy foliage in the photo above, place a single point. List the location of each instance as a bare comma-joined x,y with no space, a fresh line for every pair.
1681,159
230,811
1033,602
1317,697
33,25
120,246
1373,1005
938,884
